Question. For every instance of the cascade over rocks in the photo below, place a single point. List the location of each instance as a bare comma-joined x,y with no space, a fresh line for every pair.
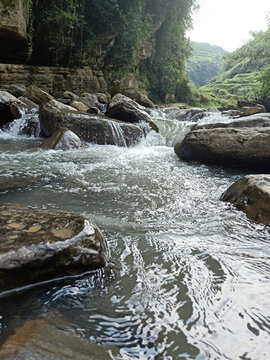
241,148
251,194
45,244
90,128
125,109
62,139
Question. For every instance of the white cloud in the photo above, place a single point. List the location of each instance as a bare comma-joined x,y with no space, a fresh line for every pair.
228,23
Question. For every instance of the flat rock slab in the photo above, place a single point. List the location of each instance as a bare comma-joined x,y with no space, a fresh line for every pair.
252,195
47,339
240,148
40,245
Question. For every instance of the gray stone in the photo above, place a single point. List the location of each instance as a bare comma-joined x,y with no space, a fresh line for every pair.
241,148
42,245
89,128
257,120
252,195
7,112
125,109
37,95
62,139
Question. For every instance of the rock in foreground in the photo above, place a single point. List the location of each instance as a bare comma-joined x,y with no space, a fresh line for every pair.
48,339
252,195
241,148
39,245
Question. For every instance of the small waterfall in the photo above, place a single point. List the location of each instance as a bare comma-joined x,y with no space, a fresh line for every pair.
27,125
117,134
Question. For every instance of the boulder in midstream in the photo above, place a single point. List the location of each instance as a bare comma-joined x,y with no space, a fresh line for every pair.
251,194
90,128
231,147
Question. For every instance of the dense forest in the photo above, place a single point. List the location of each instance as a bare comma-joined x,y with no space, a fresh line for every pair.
145,38
246,71
204,63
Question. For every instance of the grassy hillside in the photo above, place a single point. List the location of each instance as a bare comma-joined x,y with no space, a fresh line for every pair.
246,72
204,63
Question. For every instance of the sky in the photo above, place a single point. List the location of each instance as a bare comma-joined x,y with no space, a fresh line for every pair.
227,23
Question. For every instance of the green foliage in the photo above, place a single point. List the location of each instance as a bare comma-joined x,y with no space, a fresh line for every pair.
145,38
204,63
246,71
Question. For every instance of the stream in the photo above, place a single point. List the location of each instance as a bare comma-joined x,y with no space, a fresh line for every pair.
189,275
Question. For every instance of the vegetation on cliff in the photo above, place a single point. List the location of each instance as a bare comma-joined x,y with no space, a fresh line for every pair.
204,63
246,71
145,38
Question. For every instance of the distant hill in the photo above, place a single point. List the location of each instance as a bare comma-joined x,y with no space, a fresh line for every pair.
246,71
204,63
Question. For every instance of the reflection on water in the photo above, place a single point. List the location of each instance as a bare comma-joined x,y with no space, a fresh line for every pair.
189,275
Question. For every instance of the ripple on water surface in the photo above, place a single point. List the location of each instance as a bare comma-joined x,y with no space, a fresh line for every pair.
190,275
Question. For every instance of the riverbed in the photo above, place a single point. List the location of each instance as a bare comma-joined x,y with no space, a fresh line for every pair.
188,276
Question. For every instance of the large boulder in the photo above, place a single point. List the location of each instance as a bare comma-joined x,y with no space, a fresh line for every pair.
62,139
14,16
37,95
89,128
125,109
252,195
241,148
45,244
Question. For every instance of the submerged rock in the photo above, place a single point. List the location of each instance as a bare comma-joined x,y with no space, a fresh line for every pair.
90,128
252,195
47,338
45,244
62,139
241,148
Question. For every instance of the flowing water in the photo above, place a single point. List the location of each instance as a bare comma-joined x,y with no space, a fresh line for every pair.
189,275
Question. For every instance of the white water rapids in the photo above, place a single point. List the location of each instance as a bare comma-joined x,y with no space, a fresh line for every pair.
189,275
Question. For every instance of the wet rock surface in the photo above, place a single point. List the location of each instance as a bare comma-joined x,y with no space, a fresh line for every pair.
46,338
38,245
251,194
125,109
241,148
90,128
258,120
62,139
